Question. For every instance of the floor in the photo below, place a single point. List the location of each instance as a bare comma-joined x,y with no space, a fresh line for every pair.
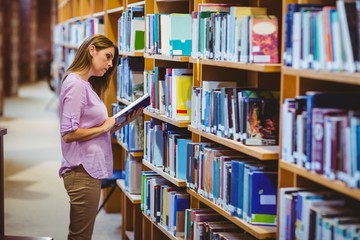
36,203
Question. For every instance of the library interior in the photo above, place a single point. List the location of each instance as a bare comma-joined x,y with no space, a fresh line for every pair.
249,128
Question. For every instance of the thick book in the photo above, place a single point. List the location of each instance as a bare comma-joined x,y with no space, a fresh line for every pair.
122,115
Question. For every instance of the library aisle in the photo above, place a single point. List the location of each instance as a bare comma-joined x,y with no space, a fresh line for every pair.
36,203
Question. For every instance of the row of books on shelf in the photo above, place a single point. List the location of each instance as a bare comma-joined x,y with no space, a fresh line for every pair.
316,214
205,223
241,185
165,147
323,37
321,133
164,203
168,34
170,91
130,78
248,115
169,206
74,33
224,176
131,30
132,134
216,31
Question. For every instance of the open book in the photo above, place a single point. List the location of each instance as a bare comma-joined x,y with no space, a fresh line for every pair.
121,116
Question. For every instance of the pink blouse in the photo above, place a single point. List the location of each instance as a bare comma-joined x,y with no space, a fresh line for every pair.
80,107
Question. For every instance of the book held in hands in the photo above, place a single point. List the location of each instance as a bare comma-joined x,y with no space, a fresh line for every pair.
122,115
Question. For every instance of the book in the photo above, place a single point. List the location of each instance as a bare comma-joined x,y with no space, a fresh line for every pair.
122,115
263,39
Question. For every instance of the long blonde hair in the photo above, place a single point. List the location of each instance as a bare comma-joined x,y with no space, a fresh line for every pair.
83,60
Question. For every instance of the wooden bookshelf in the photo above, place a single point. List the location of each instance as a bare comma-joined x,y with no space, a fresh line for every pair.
134,154
296,82
258,75
162,228
134,198
338,77
260,232
131,213
259,152
131,54
334,185
181,124
266,68
167,58
175,181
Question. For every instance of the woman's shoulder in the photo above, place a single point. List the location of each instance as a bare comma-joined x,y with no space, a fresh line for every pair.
73,80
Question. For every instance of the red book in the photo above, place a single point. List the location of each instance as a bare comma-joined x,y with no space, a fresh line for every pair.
263,39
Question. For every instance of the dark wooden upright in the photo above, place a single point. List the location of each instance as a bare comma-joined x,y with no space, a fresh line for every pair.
2,220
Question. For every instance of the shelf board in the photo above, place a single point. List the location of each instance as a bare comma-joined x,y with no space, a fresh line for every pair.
134,198
168,58
260,232
178,123
134,154
99,14
176,181
132,54
123,101
237,65
162,228
170,1
259,152
335,185
140,3
130,235
339,77
115,10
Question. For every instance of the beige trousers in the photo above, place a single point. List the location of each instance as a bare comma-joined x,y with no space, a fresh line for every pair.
84,192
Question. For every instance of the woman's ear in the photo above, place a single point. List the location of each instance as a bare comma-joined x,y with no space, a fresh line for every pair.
92,50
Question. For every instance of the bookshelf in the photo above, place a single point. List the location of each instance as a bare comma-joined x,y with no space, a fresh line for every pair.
254,75
296,82
131,213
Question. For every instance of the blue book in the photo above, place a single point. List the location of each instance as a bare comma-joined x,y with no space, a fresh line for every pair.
181,155
263,191
156,32
239,201
158,144
180,34
181,203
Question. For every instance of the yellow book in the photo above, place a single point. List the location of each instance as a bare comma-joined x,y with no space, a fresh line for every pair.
183,97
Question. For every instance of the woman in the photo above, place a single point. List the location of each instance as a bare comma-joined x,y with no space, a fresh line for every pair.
86,131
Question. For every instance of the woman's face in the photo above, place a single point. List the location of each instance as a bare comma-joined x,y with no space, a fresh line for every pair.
102,60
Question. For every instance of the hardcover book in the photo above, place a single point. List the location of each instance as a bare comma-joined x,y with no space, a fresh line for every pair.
264,39
141,102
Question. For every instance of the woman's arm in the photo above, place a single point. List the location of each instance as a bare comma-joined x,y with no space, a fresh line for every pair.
84,134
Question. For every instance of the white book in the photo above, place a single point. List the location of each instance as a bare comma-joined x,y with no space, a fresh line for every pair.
345,33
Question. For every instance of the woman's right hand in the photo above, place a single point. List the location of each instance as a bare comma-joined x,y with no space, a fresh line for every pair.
109,124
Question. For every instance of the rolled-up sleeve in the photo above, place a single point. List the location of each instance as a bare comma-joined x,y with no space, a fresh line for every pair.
72,103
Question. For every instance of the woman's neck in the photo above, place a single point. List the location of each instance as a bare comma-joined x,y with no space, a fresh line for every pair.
84,75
